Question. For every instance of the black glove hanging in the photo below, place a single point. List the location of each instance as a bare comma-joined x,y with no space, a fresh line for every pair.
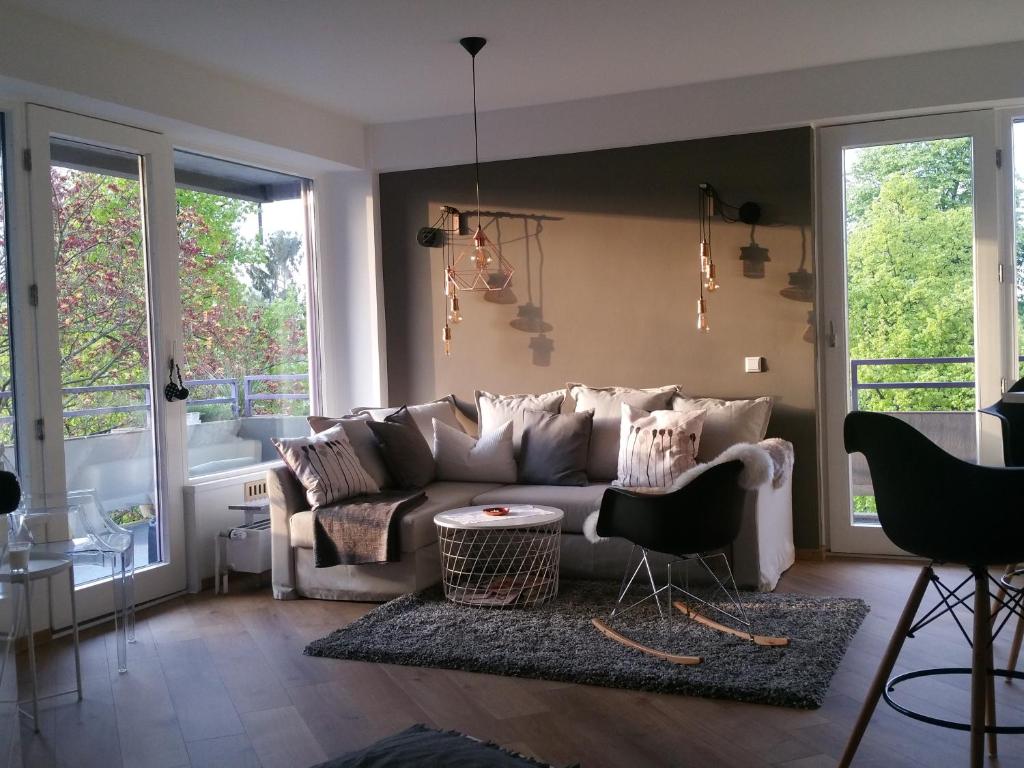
175,391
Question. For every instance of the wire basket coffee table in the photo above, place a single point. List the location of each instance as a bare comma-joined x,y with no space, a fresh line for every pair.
500,562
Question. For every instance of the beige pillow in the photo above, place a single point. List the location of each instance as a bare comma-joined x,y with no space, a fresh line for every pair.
656,448
727,422
606,402
494,410
326,466
442,409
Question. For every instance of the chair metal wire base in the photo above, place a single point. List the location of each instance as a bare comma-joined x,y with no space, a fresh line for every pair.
691,599
500,567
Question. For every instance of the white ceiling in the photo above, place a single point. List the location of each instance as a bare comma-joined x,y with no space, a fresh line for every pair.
392,60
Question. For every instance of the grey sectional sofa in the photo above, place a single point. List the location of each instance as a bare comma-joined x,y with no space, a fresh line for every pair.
762,552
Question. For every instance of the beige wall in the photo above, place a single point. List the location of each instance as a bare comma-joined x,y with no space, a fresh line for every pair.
606,244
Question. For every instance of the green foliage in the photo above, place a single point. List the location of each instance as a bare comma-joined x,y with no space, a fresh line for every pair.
234,326
910,270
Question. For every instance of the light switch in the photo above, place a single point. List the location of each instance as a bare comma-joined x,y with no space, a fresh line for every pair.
753,364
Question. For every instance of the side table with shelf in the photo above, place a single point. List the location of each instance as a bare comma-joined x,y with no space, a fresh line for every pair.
250,559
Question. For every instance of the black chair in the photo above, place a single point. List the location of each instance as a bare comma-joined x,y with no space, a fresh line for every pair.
1011,422
937,506
703,516
1011,425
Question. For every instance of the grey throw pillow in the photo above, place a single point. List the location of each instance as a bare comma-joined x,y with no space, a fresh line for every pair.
405,451
462,458
555,447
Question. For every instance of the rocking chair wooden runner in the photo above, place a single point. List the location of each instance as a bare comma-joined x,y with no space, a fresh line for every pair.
949,511
701,517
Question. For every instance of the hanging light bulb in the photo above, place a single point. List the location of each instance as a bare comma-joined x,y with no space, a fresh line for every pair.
481,254
446,335
705,256
712,284
454,316
702,316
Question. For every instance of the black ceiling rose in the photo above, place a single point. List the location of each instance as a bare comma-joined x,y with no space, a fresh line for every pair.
750,213
473,45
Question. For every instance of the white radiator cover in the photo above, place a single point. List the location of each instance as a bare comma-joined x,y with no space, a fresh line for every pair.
206,502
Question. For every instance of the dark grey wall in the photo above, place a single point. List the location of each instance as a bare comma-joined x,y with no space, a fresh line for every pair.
605,244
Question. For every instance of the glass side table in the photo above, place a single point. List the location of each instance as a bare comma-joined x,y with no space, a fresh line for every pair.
42,566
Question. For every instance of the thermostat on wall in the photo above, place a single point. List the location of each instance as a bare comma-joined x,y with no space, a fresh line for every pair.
753,364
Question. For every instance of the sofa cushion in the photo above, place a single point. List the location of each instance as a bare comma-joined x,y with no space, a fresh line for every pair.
363,443
727,422
576,501
494,410
416,528
326,465
443,410
554,448
657,447
463,458
404,449
606,402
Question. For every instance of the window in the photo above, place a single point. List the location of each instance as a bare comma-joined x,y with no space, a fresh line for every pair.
8,453
245,294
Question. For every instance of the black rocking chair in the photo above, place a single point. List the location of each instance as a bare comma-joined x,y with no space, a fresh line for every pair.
703,516
938,507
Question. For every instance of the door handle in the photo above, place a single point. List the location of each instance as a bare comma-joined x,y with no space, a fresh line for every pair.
831,337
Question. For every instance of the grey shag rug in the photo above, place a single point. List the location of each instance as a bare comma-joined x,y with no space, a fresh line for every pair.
557,642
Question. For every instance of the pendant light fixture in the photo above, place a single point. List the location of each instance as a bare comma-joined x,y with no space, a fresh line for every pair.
481,267
707,276
707,200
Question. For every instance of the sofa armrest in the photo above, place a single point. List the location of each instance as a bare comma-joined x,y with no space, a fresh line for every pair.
764,549
286,498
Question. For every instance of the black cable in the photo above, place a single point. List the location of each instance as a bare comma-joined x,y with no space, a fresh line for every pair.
476,145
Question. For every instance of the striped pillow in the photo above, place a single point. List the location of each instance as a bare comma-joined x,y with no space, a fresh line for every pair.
327,466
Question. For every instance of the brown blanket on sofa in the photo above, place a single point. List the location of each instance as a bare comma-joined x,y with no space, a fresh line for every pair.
361,530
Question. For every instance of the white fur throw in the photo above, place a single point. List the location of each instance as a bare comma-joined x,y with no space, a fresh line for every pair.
758,469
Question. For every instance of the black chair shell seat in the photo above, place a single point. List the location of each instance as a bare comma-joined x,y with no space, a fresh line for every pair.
703,515
947,510
933,504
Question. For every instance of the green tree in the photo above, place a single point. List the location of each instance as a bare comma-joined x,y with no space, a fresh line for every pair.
273,274
910,269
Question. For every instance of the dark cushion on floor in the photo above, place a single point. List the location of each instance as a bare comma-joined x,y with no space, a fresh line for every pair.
421,746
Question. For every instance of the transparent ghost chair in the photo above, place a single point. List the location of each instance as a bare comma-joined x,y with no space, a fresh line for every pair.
93,532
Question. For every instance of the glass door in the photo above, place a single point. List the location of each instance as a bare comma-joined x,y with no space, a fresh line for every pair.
103,238
912,296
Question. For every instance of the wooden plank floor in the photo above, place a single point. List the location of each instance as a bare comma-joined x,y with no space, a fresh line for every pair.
222,682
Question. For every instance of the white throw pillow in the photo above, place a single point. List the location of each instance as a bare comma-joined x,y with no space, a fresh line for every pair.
657,447
326,465
460,457
606,402
443,410
494,410
727,422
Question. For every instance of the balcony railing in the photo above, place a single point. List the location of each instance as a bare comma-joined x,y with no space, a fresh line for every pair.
238,406
856,385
